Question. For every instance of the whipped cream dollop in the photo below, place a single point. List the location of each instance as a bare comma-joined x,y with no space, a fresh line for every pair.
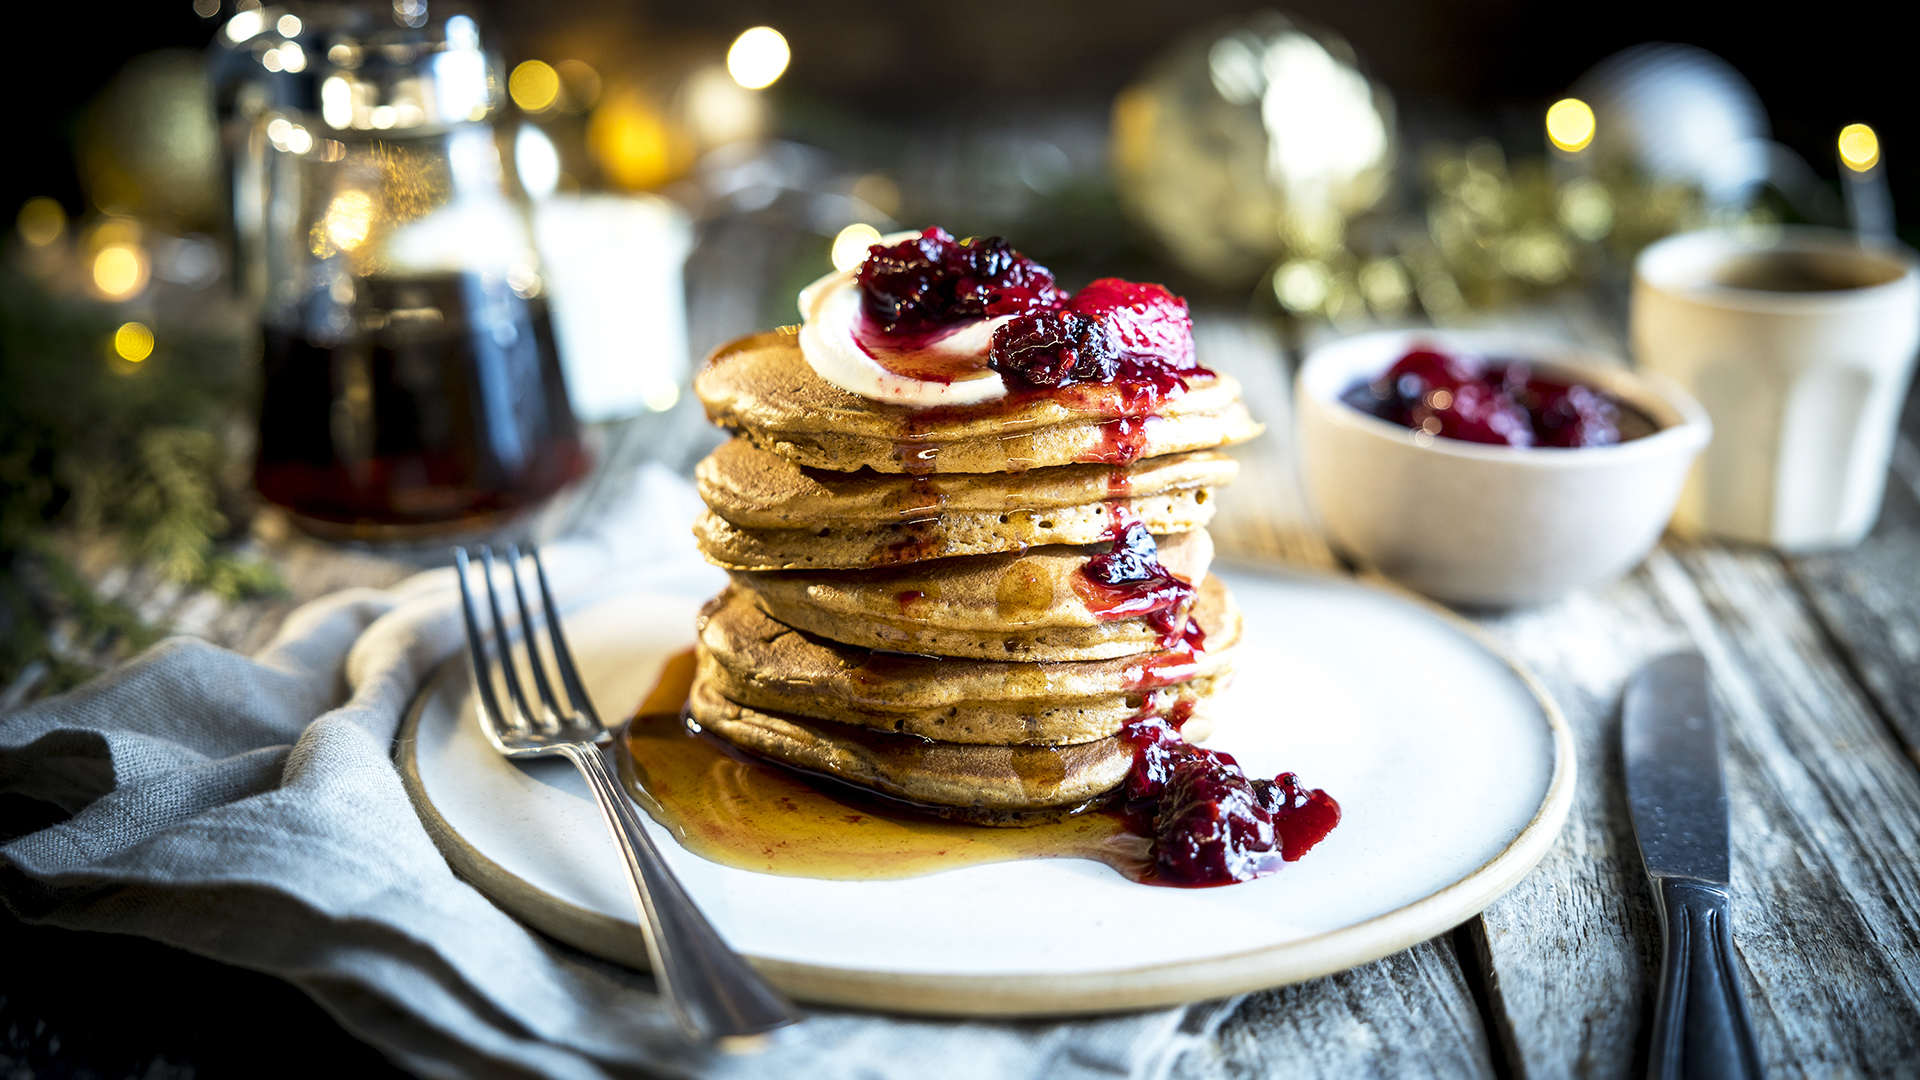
950,369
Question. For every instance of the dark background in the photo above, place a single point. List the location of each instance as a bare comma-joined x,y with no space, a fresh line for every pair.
1458,67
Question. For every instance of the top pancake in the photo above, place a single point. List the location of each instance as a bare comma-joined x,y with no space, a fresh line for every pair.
764,388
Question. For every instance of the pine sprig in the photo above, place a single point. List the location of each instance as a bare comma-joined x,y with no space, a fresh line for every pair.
96,448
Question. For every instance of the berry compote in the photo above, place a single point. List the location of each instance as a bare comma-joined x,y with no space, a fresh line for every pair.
1502,402
916,292
1210,824
919,286
1128,581
1112,330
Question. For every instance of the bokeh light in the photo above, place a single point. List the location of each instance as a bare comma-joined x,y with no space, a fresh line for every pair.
533,85
537,161
1859,147
758,57
244,25
41,221
1301,285
133,342
336,102
579,85
878,191
1570,124
634,144
850,247
120,270
349,219
289,26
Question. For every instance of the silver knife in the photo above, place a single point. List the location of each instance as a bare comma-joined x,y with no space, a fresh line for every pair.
1672,744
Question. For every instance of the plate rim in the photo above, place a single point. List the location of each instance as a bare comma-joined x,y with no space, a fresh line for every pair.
1039,995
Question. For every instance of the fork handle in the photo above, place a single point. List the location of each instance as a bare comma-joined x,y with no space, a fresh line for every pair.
714,993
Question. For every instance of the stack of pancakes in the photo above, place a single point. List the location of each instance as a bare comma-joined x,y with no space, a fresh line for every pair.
909,610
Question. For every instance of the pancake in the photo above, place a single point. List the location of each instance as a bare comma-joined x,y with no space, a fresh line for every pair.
757,489
990,607
835,546
989,781
760,662
762,387
985,723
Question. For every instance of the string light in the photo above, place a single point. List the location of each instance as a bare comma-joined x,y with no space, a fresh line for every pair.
133,342
533,85
850,247
120,270
758,57
1859,147
1570,124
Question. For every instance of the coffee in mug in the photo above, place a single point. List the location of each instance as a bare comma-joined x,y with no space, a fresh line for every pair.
1801,346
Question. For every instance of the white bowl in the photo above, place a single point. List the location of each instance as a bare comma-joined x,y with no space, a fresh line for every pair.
1477,524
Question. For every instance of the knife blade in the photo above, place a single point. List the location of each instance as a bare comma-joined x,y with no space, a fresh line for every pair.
1672,743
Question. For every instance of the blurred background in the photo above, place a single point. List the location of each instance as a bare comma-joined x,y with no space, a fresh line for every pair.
678,171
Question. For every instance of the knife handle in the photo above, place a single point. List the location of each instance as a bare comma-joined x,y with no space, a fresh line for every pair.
1700,1025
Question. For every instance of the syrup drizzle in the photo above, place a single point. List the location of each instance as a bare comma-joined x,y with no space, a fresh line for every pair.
746,812
921,530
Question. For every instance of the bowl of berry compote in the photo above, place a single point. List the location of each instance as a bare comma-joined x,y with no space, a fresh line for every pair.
1488,469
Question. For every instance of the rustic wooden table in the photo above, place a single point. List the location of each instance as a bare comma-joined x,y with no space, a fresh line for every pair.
1816,668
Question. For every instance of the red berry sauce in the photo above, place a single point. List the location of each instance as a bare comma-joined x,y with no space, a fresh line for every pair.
1501,402
1210,824
1128,581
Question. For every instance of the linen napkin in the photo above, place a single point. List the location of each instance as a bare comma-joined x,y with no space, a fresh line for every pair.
248,809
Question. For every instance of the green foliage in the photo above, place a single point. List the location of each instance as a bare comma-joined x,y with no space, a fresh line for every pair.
92,444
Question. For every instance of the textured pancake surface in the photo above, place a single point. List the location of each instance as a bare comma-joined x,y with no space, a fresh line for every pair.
990,778
764,388
758,661
943,534
992,607
756,489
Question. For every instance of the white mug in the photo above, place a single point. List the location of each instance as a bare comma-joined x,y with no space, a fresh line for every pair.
1800,344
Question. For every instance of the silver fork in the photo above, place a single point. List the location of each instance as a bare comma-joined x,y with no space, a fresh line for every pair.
715,995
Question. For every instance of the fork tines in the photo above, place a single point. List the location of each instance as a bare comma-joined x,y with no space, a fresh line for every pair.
523,721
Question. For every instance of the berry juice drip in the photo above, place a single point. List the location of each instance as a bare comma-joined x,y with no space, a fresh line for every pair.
1176,661
1128,581
1209,823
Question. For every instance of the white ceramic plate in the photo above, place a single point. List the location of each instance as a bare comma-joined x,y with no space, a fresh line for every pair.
1453,769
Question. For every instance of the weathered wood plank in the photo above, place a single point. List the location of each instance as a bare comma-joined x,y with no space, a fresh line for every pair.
1826,820
1826,825
1868,599
1570,953
1264,515
1408,1015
